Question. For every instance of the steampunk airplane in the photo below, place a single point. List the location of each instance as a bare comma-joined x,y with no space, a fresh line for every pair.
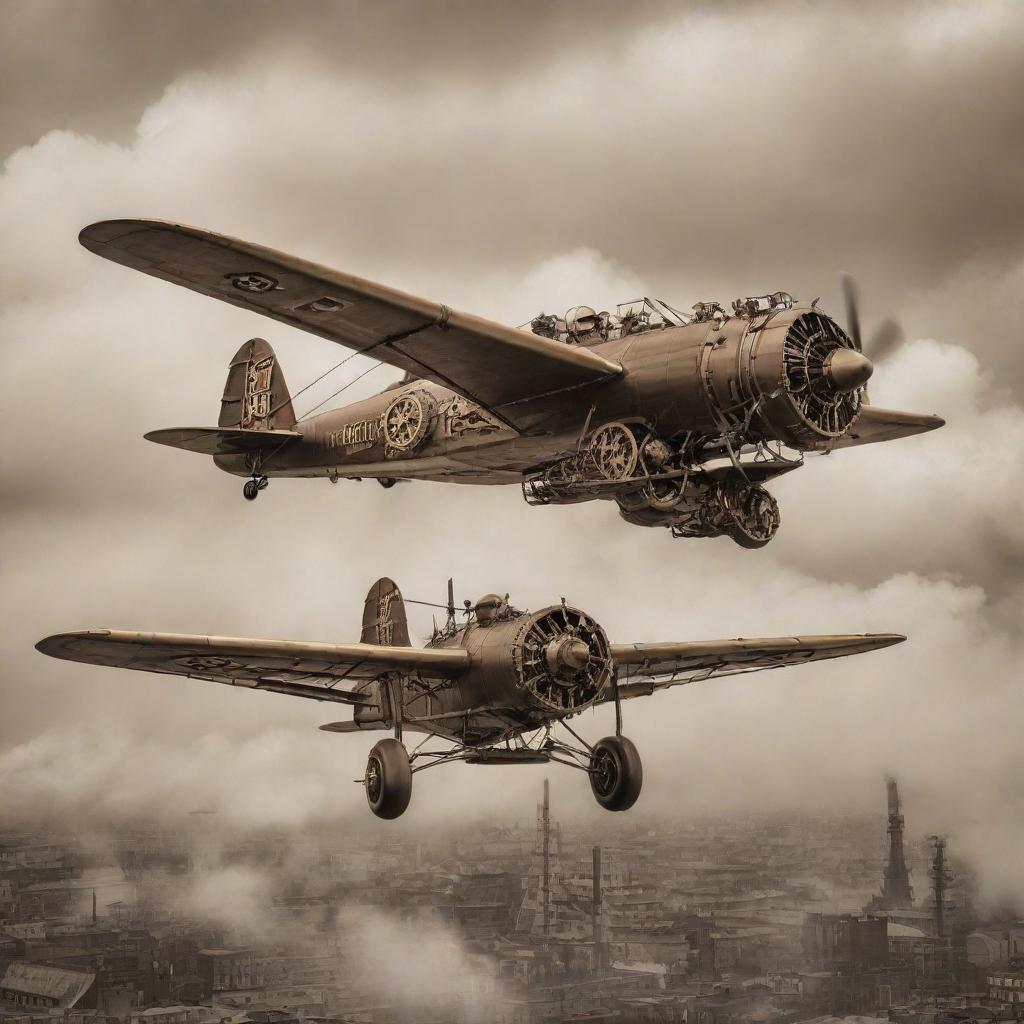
679,418
493,689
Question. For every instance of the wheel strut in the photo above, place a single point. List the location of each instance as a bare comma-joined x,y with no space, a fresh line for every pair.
617,698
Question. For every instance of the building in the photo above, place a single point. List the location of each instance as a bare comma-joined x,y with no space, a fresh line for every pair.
845,942
228,970
1006,985
37,986
989,946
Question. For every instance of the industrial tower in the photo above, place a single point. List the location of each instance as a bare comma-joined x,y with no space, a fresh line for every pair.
544,890
896,891
940,884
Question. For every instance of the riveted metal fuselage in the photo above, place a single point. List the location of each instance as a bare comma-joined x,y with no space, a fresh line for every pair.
499,695
695,378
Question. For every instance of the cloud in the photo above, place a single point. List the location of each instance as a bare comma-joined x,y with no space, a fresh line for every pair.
684,157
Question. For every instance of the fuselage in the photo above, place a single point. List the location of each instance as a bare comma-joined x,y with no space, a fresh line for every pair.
526,669
702,378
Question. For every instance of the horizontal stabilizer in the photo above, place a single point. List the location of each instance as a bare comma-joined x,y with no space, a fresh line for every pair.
223,440
354,726
873,424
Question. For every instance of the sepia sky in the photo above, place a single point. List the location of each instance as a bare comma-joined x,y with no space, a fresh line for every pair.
506,159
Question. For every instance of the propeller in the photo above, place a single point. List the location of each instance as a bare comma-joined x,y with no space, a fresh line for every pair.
884,339
888,336
850,298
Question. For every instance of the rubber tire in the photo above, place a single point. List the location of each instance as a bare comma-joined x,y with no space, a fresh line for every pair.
391,797
741,537
744,539
622,790
250,490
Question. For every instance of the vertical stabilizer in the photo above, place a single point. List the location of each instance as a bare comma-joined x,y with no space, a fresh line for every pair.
384,619
255,394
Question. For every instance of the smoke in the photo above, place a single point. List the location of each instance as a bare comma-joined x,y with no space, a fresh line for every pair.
556,182
234,896
415,967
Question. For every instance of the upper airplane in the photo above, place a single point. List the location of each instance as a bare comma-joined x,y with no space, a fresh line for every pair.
680,418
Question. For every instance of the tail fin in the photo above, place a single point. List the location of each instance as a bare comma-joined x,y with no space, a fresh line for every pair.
384,619
255,394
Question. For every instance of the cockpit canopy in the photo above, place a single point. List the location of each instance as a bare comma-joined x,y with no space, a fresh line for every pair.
583,325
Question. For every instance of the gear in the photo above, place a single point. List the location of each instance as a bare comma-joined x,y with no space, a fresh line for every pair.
407,422
614,450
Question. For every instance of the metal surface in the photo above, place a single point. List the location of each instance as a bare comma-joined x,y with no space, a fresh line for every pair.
643,407
494,687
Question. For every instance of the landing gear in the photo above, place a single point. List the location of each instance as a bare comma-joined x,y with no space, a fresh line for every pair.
755,516
388,779
252,487
616,773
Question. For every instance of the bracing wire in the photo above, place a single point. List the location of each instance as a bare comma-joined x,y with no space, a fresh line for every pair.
344,387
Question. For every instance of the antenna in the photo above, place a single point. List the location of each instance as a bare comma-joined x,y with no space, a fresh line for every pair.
451,603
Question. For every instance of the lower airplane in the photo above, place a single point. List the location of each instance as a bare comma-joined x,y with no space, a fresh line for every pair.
492,690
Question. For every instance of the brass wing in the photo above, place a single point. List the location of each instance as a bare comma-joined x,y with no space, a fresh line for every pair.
644,668
498,367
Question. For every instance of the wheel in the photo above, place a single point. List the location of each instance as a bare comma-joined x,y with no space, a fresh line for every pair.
616,773
388,779
251,490
755,515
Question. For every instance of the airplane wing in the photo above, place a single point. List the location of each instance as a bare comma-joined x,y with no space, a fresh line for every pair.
644,668
496,366
317,671
873,424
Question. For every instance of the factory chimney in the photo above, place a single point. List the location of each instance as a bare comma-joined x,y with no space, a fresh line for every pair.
545,885
940,884
896,891
595,911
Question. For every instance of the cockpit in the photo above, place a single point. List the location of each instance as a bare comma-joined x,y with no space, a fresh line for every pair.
583,325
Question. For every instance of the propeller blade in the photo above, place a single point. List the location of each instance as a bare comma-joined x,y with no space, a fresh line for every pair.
849,287
886,337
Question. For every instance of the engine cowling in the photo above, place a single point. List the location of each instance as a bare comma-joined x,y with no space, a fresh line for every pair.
795,377
562,659
554,661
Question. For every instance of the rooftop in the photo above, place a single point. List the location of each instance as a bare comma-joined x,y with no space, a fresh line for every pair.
64,986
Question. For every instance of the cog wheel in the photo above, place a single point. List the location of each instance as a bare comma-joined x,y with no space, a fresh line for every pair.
614,451
407,422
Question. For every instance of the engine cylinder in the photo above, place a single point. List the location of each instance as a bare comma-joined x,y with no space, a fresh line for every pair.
795,377
562,659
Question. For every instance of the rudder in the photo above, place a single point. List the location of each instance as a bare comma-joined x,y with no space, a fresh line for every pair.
384,621
255,394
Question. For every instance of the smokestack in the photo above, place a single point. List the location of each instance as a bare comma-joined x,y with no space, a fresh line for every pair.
596,913
94,906
546,877
940,883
